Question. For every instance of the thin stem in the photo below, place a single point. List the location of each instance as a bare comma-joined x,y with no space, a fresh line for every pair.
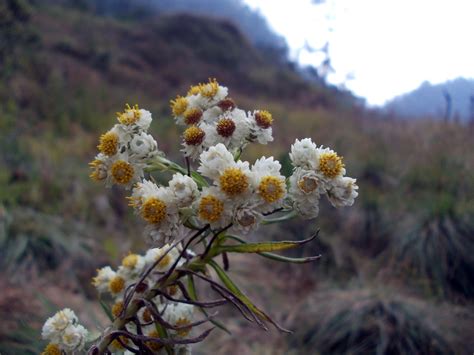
208,248
188,166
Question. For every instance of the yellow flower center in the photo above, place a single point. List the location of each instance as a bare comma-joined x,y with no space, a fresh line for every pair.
165,261
264,119
154,345
51,349
108,143
99,170
116,284
225,127
271,188
181,322
130,261
194,90
330,164
210,208
193,135
122,171
129,116
209,89
233,181
192,115
308,184
154,210
179,105
117,308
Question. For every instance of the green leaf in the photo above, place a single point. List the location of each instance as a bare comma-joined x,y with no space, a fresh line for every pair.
279,257
199,179
107,310
285,217
163,335
258,247
235,290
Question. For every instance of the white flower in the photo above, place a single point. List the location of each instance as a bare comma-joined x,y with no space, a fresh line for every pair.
261,127
234,181
196,101
141,192
231,128
74,337
343,192
112,141
212,208
268,183
54,326
102,280
246,216
123,170
193,141
132,266
329,165
184,189
180,315
134,118
215,160
145,120
157,206
305,191
212,93
143,146
100,167
154,254
211,114
304,154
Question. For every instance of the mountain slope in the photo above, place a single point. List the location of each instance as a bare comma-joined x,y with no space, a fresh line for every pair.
431,100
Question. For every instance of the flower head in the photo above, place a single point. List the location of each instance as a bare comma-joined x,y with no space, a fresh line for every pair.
135,117
212,209
102,280
215,160
343,192
184,189
261,127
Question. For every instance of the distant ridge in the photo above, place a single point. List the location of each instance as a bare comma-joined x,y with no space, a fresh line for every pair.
431,101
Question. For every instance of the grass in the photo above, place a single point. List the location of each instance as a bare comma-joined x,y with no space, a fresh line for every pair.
366,322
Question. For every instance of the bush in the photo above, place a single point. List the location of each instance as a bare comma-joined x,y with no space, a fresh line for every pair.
364,322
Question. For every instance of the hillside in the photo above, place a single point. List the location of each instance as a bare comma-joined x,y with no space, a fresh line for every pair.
397,268
429,100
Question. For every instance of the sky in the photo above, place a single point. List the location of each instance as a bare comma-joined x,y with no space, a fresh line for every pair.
379,48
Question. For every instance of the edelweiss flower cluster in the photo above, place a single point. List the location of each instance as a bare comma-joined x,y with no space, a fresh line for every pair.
114,284
125,149
204,206
64,333
212,117
318,171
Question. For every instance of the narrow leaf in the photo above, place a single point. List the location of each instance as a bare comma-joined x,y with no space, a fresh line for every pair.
199,179
258,247
107,310
279,219
163,335
280,257
241,296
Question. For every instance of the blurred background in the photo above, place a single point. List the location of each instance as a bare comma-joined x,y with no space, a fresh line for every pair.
384,83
